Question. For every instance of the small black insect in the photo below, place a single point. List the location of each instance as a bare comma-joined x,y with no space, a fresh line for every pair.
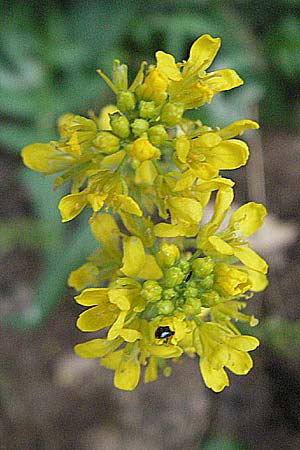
163,333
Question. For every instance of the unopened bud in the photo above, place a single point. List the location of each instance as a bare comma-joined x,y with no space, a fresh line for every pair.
120,125
126,101
174,276
210,298
171,114
168,254
139,126
107,142
157,134
202,267
147,109
151,291
165,307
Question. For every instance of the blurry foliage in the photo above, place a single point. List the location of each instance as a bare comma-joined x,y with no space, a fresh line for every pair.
283,336
219,443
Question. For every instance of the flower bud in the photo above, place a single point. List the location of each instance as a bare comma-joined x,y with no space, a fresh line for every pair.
168,254
168,294
126,101
207,283
139,126
174,276
120,125
190,292
165,307
171,114
147,109
192,306
157,134
142,150
107,142
151,291
210,298
202,267
184,265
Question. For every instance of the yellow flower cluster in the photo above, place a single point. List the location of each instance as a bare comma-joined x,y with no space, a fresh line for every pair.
161,283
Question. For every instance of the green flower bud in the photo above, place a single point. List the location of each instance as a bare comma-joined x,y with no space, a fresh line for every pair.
147,109
192,306
119,125
171,114
168,294
139,126
126,101
190,292
151,291
107,142
209,298
157,134
184,265
174,276
207,283
165,307
202,267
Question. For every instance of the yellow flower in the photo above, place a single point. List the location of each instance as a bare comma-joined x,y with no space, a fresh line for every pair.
219,347
230,280
193,86
213,150
231,241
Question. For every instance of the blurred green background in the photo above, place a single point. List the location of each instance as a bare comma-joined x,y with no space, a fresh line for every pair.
49,55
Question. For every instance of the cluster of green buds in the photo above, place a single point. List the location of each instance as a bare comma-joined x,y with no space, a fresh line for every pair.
161,283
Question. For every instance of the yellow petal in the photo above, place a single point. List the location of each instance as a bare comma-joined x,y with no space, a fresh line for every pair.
215,379
165,351
119,297
128,205
248,218
145,174
96,201
84,276
71,205
244,343
237,128
203,51
186,209
150,270
228,155
134,256
223,80
259,280
92,296
104,118
182,148
221,246
95,318
168,230
130,335
105,230
45,158
112,360
95,348
150,371
251,259
239,362
115,329
127,375
166,64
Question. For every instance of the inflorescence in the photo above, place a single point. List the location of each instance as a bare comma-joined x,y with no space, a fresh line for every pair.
160,284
